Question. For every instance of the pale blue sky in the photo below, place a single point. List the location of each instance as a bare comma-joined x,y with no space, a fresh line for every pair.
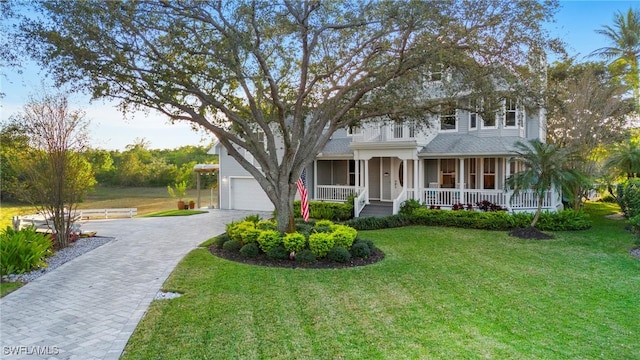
576,22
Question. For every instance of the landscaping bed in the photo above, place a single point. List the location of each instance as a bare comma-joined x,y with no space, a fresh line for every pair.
263,260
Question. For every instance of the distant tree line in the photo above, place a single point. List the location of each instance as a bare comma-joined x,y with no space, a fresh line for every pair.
136,166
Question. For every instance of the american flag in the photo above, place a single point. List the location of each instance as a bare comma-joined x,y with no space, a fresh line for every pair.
304,200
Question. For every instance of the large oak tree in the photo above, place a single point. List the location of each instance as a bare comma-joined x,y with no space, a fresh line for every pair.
277,78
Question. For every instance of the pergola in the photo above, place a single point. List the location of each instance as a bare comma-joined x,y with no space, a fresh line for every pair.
206,169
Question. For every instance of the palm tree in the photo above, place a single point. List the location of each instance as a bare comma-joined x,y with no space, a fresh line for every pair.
625,159
546,166
624,51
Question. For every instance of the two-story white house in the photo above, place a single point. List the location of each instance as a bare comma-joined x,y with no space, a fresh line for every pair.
460,159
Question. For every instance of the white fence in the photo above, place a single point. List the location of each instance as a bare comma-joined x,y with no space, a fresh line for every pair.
107,213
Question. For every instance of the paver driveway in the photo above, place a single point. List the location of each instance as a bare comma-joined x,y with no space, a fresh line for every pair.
89,307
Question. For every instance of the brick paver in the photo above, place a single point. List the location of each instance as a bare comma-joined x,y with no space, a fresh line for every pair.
89,307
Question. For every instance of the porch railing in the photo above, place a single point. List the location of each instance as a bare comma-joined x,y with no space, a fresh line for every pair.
399,200
334,192
359,202
526,200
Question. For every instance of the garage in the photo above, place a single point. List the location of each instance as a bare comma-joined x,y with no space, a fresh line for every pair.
246,194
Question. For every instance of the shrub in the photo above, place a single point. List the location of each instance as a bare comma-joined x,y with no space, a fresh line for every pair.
409,206
321,243
294,242
250,250
306,256
488,206
304,228
327,210
232,246
269,239
565,220
500,220
237,230
628,194
220,240
324,226
253,218
266,225
23,251
360,249
634,222
339,254
278,252
344,236
250,236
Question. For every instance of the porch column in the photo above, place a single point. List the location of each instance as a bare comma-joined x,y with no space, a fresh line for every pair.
357,173
366,180
507,173
315,179
416,195
421,179
461,181
404,175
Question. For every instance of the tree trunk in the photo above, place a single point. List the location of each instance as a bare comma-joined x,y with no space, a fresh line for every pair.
284,209
536,217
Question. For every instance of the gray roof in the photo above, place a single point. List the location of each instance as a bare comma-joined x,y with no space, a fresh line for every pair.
339,146
444,145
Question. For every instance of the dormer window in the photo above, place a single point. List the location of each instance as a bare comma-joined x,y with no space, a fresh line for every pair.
435,73
490,122
510,111
448,119
474,108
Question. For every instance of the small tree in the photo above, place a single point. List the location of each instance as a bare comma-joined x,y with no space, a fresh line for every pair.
178,191
545,168
57,176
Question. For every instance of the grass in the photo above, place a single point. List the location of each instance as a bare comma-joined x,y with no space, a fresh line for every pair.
7,287
439,293
146,199
174,213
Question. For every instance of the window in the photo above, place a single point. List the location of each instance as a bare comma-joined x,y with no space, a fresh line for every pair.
509,113
491,121
448,118
472,177
352,173
489,176
435,73
473,114
448,173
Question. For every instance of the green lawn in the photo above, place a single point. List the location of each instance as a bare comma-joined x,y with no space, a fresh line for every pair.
6,288
439,293
145,199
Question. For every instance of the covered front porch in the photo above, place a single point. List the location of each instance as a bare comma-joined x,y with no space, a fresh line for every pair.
437,183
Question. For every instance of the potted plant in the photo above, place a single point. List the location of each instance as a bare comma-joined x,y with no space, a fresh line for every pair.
179,190
192,204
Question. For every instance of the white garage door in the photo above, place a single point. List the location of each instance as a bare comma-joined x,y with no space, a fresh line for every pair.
246,194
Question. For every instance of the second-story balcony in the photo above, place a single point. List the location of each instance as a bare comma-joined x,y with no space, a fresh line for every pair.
386,132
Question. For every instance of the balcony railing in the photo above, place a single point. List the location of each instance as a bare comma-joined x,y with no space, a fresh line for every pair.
392,132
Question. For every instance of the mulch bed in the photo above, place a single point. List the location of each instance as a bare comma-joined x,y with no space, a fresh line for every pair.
530,233
262,260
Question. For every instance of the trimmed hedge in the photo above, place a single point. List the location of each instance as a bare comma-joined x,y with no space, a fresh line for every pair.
558,221
327,210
